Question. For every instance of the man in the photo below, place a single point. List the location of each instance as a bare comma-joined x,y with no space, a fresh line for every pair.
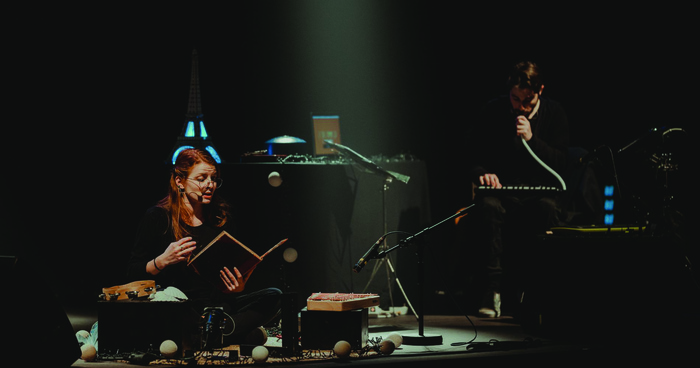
498,157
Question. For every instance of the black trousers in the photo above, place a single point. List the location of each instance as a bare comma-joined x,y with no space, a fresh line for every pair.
500,230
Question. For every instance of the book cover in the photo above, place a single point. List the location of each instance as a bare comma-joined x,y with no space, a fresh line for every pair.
225,251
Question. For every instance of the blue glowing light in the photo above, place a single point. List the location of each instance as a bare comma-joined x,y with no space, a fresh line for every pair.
609,218
214,154
609,204
609,189
177,152
202,130
189,132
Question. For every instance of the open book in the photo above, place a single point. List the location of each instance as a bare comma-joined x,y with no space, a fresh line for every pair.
225,251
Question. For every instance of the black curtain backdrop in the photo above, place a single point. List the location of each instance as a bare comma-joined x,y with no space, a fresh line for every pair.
97,101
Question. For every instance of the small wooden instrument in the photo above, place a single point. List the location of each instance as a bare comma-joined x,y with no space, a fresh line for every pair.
339,302
131,290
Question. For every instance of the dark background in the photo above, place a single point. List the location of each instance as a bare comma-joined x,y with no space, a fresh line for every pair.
97,98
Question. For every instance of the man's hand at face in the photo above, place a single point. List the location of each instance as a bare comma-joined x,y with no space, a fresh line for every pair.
523,127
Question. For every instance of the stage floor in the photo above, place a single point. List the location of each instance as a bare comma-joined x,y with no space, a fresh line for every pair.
500,341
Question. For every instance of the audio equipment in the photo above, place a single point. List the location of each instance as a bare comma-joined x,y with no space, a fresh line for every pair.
322,329
515,190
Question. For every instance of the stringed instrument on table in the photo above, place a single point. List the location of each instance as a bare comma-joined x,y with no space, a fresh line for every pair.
132,290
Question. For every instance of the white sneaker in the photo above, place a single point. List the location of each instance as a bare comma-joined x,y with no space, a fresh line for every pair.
491,307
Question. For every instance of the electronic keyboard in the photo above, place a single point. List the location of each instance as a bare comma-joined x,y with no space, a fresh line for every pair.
515,190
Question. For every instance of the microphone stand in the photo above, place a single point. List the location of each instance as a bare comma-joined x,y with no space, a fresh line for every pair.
386,261
421,338
389,176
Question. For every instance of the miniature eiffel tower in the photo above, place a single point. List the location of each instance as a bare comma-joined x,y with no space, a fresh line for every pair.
194,134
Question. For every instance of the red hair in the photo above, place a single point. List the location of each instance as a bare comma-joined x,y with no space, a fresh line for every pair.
216,213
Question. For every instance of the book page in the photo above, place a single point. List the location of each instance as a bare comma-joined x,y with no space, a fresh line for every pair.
217,239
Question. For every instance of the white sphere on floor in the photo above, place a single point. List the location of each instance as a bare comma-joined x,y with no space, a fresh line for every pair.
342,349
168,348
396,338
274,179
88,352
260,354
387,347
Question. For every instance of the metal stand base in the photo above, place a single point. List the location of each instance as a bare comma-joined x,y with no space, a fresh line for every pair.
422,340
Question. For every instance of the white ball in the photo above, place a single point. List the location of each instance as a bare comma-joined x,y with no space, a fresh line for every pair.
396,338
387,346
342,349
274,179
88,352
168,348
260,354
290,255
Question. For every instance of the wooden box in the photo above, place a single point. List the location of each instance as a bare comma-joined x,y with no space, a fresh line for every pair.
322,329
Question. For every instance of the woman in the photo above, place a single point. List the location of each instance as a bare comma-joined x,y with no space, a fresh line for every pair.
187,219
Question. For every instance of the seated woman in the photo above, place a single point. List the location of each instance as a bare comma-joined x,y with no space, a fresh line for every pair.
183,222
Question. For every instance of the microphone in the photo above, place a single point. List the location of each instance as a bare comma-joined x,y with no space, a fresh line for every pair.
370,253
197,192
328,143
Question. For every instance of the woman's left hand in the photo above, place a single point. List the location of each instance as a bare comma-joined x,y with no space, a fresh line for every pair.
234,281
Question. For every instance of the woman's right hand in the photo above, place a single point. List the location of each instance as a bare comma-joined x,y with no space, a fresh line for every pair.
176,252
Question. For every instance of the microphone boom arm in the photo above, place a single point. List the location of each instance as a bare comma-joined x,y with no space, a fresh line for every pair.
406,241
